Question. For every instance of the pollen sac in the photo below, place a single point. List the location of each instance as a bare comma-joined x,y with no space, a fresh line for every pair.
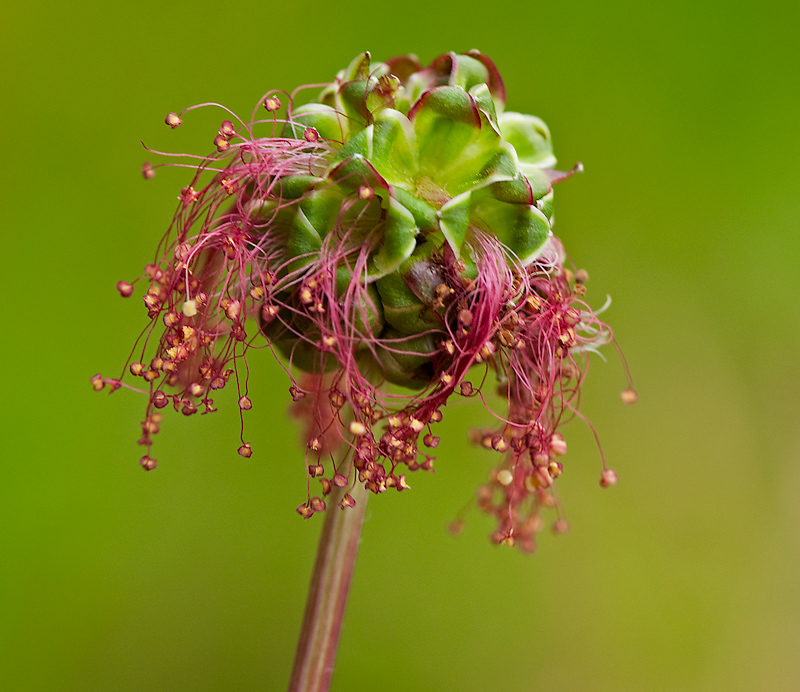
173,120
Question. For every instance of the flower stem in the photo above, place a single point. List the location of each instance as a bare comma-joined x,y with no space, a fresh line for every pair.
327,595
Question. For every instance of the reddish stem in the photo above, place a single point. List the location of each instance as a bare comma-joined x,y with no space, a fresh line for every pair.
327,595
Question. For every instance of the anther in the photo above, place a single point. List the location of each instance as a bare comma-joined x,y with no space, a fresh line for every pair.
234,310
171,319
268,312
365,192
244,403
555,468
318,504
125,289
316,470
314,444
245,450
188,195
303,510
430,441
147,463
505,477
221,143
310,134
189,308
226,129
272,103
173,120
416,425
608,478
466,389
98,382
339,480
159,399
195,389
560,527
136,369
148,172
500,443
347,501
357,428
629,396
558,446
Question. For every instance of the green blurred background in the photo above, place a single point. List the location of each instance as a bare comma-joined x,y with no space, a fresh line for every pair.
682,577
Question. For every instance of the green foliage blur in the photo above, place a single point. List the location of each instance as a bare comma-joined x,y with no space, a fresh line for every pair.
683,577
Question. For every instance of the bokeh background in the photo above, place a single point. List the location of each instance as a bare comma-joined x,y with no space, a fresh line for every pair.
682,577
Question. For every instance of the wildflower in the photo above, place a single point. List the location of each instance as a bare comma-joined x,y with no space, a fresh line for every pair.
389,240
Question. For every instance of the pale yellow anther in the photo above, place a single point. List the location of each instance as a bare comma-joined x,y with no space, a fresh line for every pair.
357,428
188,332
505,477
329,341
530,484
395,421
257,293
416,425
189,308
234,310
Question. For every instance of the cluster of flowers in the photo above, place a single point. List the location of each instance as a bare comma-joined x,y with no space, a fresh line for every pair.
385,241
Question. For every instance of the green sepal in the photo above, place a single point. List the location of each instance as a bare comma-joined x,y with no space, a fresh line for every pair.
296,186
468,72
322,208
408,293
458,148
303,243
522,228
454,221
425,216
483,97
394,148
545,205
399,240
531,139
407,361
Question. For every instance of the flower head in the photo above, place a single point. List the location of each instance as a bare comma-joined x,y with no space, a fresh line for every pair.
391,241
